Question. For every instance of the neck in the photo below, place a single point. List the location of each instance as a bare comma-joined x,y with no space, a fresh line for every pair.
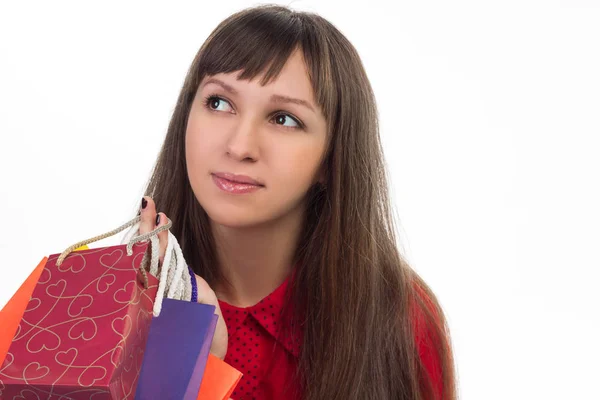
255,260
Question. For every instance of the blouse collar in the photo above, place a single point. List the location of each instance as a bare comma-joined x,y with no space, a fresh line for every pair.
274,313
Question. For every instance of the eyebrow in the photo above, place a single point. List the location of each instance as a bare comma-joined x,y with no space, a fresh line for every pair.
276,98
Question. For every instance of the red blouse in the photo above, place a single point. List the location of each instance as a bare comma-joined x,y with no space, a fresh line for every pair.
262,347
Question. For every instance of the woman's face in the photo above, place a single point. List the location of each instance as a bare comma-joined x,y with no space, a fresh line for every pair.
274,134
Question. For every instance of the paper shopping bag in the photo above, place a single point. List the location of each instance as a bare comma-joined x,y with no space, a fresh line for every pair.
175,337
176,352
11,313
199,369
83,333
219,381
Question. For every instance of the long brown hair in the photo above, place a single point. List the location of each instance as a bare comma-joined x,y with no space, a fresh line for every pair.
358,291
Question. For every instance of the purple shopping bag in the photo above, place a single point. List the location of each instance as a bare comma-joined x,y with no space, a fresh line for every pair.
176,351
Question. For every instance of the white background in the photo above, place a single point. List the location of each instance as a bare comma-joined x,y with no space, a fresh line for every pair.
490,117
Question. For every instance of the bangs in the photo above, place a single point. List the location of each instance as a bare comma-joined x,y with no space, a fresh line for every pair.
252,43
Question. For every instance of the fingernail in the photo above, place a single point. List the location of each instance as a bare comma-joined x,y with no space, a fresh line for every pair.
157,219
144,203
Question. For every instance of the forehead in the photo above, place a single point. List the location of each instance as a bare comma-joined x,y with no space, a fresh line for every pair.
293,79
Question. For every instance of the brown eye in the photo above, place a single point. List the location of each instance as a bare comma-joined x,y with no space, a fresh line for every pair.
282,119
214,102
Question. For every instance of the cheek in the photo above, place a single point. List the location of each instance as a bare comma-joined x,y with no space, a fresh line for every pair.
196,159
198,146
297,166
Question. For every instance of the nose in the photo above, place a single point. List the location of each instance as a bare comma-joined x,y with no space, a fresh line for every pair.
242,143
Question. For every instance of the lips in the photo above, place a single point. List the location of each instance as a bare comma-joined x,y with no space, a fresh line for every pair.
235,188
243,179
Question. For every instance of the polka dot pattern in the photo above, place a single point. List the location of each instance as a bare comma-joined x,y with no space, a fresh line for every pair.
262,347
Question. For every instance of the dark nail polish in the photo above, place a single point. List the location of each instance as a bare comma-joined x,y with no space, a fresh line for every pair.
157,219
144,203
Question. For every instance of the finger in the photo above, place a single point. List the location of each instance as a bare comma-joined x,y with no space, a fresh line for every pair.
163,236
148,215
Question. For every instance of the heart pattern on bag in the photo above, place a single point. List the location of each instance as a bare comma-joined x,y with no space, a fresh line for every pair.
17,333
129,363
122,326
116,356
85,329
123,295
56,290
8,360
111,259
74,263
137,260
33,304
91,375
35,371
79,304
105,282
66,358
45,276
43,340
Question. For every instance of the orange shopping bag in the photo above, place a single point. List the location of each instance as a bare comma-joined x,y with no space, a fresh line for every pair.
12,312
219,381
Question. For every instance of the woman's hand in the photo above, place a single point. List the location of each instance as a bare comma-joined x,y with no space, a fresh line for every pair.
150,220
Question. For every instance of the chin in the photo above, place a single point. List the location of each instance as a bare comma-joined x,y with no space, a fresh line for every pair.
231,222
231,216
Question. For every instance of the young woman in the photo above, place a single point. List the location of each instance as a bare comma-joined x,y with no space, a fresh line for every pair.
273,175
